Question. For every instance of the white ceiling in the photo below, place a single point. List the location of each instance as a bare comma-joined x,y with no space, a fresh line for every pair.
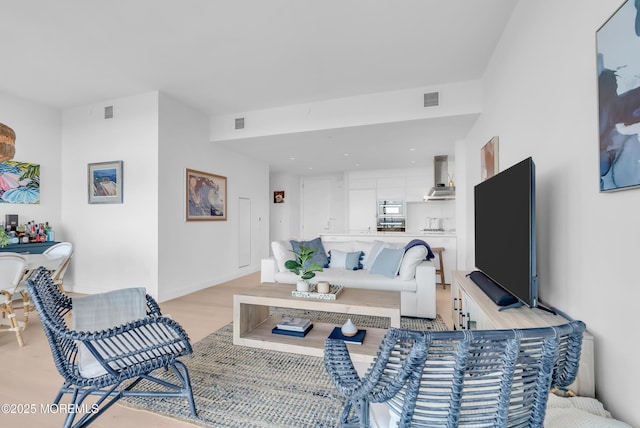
225,57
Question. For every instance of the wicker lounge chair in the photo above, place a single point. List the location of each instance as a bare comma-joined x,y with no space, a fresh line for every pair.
124,355
491,378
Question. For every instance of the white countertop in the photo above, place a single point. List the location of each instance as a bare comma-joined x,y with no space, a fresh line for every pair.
448,234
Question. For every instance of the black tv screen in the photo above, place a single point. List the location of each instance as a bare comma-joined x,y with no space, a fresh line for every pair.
505,231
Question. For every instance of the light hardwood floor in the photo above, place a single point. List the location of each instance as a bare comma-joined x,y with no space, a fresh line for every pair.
29,376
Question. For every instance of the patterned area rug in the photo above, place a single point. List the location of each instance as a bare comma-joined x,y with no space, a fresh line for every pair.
237,386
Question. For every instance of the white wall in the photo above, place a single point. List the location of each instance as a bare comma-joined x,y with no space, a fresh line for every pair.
541,100
145,241
115,245
458,98
285,218
196,255
38,140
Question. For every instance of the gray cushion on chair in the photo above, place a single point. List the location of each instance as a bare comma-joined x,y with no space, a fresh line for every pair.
103,311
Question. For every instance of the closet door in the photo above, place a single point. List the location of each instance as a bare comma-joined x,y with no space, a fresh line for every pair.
244,232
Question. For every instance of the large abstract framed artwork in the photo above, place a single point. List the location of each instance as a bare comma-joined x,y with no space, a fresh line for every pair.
618,62
206,196
105,182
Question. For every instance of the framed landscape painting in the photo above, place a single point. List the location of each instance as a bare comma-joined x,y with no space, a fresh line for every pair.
105,182
206,196
618,62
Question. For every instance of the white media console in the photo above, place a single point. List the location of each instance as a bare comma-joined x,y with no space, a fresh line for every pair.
473,309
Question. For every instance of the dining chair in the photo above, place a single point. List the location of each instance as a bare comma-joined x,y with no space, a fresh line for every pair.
12,269
479,378
62,249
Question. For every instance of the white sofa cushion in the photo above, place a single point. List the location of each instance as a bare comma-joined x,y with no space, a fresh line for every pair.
412,258
282,253
353,279
346,246
375,250
365,247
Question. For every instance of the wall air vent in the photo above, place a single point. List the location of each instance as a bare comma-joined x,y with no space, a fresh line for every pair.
432,99
108,112
240,123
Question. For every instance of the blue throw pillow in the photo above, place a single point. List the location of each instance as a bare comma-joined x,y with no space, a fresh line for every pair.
388,262
320,256
342,260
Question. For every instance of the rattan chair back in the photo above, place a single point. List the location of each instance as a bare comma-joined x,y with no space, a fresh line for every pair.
489,378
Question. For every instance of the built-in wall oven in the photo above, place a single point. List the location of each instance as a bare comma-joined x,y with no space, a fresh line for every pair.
391,216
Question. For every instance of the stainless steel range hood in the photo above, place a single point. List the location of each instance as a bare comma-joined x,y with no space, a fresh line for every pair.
441,191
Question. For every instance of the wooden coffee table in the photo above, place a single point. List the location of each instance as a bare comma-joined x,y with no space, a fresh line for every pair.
252,323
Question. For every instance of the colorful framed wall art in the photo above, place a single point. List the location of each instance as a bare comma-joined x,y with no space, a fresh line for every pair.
19,183
206,196
618,65
104,182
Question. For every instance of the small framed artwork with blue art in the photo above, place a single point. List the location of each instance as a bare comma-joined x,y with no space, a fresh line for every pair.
105,182
618,62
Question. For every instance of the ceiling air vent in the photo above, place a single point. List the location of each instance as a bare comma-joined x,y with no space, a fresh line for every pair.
108,112
431,99
240,123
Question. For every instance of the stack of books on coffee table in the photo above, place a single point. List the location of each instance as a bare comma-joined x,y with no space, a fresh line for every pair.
290,326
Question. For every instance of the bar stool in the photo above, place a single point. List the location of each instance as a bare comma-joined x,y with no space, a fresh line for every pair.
440,270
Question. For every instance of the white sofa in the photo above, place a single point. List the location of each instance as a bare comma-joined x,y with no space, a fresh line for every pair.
415,280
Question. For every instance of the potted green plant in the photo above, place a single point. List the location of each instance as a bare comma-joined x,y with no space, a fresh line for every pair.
4,238
303,267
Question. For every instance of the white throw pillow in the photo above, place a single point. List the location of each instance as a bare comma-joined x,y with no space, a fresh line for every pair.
412,258
365,247
375,250
282,253
346,247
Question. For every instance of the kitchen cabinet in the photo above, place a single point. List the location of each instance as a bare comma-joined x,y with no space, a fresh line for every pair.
391,188
473,309
416,187
362,210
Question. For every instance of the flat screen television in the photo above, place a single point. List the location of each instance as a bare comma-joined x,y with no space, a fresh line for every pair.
505,231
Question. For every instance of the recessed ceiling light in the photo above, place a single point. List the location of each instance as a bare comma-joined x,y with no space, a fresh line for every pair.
346,154
411,149
292,158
